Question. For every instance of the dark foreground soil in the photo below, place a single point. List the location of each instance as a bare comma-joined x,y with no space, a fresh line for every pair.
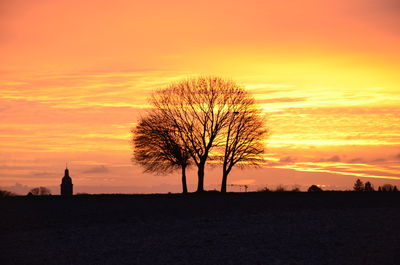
254,228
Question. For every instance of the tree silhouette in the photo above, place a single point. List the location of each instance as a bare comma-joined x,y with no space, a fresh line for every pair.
314,188
200,109
368,187
358,185
157,147
40,191
395,189
244,135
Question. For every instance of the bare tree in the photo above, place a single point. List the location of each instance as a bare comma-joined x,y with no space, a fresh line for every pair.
244,135
39,191
157,147
199,109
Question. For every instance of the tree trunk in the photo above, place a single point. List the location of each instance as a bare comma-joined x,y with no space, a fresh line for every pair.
200,176
224,180
184,185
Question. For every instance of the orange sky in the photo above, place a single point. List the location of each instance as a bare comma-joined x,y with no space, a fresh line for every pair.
75,76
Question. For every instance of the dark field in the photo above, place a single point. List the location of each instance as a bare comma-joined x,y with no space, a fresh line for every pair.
252,228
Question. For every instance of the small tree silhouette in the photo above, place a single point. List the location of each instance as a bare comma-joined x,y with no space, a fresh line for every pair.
157,147
243,136
40,191
358,185
368,187
314,188
395,189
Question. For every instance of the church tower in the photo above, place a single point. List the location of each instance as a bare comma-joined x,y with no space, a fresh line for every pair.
66,184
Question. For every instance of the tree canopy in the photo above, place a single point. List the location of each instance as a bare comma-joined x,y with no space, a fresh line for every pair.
197,119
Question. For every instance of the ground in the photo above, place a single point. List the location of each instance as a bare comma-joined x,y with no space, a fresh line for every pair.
253,228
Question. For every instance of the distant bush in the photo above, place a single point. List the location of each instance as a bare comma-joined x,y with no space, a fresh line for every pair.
6,193
314,188
280,188
388,188
265,189
40,191
296,188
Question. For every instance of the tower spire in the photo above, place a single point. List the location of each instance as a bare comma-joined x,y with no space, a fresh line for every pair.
66,183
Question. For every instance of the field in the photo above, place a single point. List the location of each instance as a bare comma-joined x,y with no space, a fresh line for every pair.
252,228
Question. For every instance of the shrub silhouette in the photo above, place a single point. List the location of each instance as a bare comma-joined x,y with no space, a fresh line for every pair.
265,189
40,191
295,189
280,188
387,188
314,188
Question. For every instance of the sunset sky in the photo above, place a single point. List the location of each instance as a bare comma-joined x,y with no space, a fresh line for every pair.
75,76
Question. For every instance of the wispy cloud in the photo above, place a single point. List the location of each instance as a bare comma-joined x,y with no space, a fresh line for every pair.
287,159
97,170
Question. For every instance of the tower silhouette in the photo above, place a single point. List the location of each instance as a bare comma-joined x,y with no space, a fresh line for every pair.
66,184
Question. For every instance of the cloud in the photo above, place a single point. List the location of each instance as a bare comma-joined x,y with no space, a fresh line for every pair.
384,12
97,170
41,174
379,160
17,188
334,158
280,100
269,88
288,159
356,160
